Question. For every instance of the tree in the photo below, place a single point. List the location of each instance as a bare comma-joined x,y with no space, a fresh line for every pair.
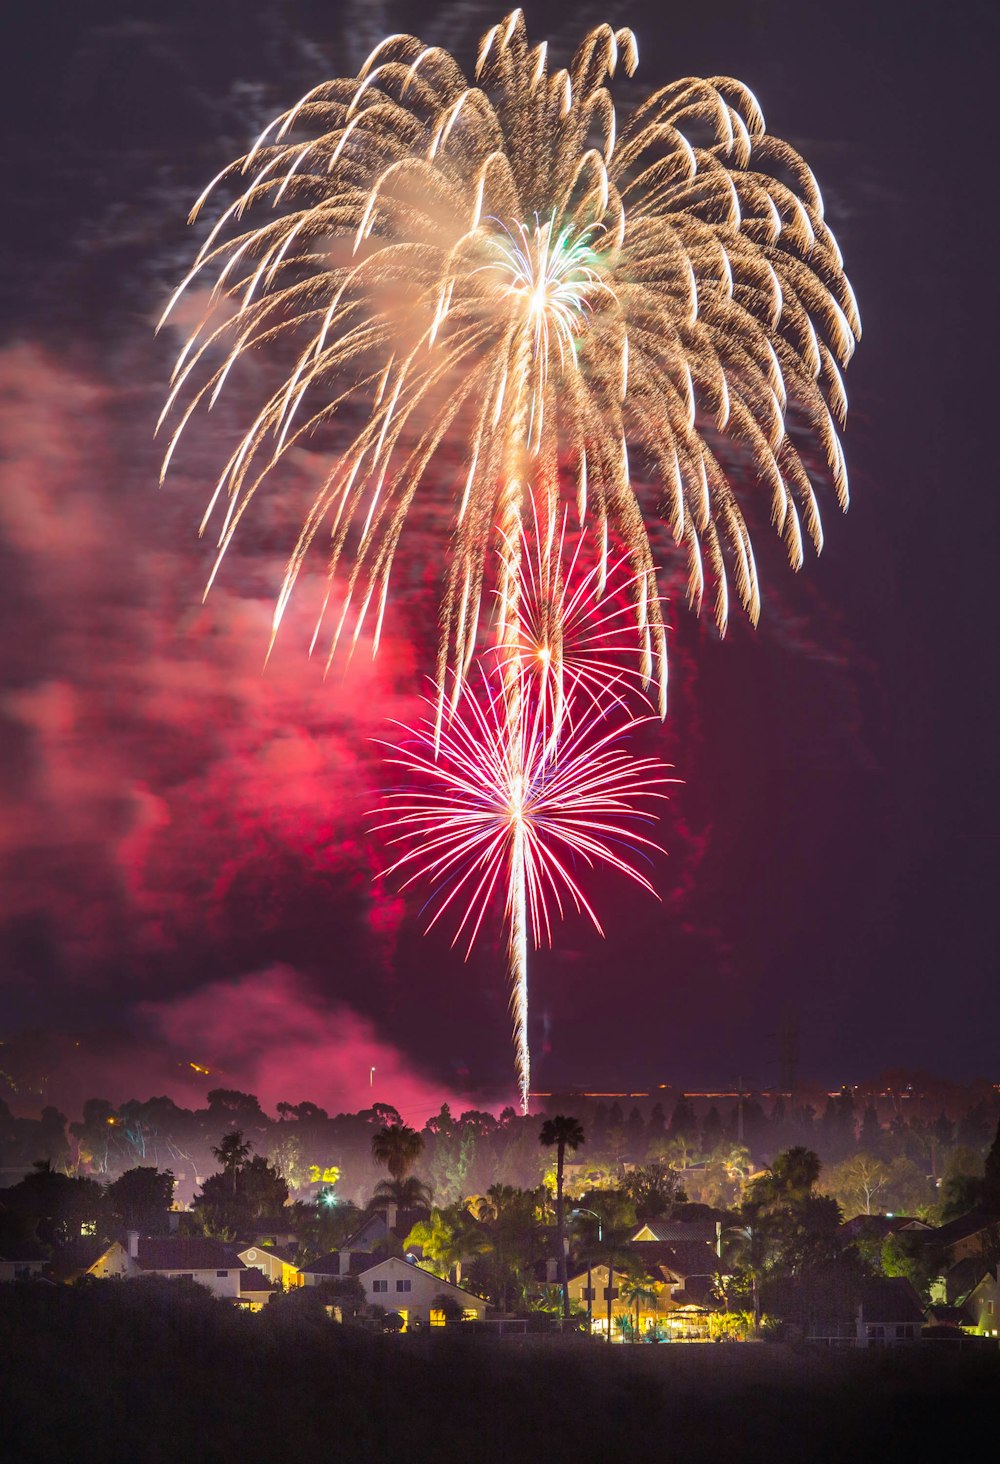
683,1121
990,1195
640,1289
59,1208
915,1255
246,1192
447,1239
609,1241
141,1198
653,1189
511,1240
397,1148
858,1183
406,1194
564,1133
232,1152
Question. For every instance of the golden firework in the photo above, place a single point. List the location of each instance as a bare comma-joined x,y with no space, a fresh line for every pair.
498,275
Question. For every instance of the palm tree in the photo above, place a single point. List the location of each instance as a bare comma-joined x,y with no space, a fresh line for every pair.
397,1148
610,1244
509,1218
406,1194
565,1133
232,1153
447,1239
637,1289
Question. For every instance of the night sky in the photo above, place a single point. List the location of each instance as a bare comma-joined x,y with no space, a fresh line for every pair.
185,870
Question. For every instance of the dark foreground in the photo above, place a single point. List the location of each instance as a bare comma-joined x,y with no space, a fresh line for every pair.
148,1373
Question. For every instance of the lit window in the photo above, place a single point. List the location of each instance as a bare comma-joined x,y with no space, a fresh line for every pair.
404,1285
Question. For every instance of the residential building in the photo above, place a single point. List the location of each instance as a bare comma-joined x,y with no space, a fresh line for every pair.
277,1265
401,1287
209,1262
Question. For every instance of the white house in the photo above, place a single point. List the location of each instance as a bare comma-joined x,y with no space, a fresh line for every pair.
401,1287
209,1262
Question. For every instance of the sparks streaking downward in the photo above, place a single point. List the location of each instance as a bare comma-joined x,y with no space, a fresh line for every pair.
497,807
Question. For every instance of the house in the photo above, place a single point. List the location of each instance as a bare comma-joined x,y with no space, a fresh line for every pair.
399,1286
21,1262
841,1307
967,1296
335,1264
973,1235
97,1258
277,1265
983,1303
209,1262
382,1233
255,1289
877,1227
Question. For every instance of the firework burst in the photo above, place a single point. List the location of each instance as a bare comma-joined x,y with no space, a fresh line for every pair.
488,806
459,264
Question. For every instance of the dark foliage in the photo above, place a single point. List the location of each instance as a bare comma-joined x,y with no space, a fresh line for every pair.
152,1372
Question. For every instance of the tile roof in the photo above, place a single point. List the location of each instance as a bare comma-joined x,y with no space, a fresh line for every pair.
684,1258
186,1253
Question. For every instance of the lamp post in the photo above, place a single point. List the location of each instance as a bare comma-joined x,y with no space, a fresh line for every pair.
580,1210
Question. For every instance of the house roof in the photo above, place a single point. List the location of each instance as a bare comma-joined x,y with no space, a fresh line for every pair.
23,1255
683,1258
834,1293
186,1253
330,1264
890,1299
696,1291
76,1259
963,1277
674,1231
877,1227
966,1225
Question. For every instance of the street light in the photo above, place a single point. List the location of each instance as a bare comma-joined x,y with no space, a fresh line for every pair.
582,1210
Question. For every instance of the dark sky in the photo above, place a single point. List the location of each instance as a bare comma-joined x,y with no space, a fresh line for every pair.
185,869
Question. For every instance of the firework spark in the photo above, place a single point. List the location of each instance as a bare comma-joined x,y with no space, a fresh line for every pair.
487,807
458,264
574,628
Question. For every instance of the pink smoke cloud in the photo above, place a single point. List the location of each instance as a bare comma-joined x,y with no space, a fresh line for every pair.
287,1046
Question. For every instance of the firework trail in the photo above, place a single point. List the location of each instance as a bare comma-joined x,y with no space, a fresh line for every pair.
478,815
498,269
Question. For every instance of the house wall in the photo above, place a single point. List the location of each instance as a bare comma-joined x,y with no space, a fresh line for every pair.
411,1289
112,1265
225,1284
983,1303
15,1270
273,1267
